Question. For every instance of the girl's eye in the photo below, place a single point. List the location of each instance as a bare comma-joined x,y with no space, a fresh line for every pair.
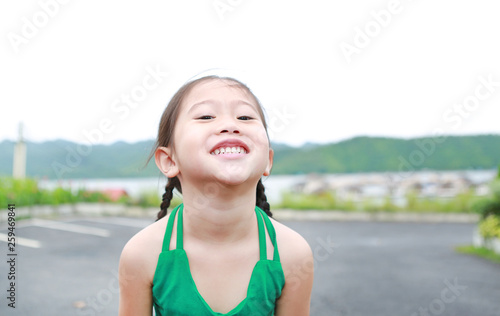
245,118
206,117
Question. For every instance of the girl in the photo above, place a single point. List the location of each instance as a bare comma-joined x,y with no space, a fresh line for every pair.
218,253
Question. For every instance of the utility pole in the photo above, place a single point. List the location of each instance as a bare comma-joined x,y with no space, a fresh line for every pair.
19,168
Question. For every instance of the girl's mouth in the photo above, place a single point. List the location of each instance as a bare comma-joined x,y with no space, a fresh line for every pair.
229,150
231,146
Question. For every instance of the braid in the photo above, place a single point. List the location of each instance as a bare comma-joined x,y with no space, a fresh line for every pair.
173,183
262,199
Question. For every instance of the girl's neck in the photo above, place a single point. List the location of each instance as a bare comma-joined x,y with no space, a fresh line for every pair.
222,215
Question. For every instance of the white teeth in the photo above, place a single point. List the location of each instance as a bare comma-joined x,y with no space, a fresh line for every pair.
229,150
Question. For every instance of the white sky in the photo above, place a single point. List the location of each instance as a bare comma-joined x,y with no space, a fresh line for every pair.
403,82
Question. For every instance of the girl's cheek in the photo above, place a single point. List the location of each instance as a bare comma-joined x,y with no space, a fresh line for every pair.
262,138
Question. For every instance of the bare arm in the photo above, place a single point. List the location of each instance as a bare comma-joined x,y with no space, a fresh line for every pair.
298,266
136,298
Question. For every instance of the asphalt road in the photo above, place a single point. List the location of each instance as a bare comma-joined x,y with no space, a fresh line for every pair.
361,268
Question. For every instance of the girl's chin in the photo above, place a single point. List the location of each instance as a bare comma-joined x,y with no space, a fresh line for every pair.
234,174
232,180
236,179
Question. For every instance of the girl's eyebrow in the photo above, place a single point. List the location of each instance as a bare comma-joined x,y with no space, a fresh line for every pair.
214,102
197,104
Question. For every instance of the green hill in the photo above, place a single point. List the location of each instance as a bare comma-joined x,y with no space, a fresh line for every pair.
63,159
370,154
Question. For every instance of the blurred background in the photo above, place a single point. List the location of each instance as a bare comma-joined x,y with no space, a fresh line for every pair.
373,107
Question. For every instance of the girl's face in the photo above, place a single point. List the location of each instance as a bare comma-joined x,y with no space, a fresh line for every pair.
220,135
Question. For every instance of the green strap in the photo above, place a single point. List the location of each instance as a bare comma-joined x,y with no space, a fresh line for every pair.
262,235
168,231
272,234
180,231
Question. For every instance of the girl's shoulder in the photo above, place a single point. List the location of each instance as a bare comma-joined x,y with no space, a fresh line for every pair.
140,254
293,248
298,267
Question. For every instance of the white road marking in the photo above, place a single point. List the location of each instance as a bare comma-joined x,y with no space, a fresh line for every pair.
71,227
22,241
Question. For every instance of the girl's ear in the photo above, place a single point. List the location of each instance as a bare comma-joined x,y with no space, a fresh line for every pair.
270,163
164,161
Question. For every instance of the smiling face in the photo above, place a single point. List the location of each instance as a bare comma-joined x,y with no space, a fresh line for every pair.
220,136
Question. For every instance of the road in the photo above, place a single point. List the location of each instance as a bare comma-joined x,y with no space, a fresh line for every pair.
69,267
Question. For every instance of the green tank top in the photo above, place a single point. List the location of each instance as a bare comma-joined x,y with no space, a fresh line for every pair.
175,292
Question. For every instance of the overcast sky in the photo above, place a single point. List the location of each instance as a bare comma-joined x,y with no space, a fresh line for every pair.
103,71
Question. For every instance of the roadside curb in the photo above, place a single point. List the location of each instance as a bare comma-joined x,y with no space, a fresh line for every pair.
109,209
314,215
80,209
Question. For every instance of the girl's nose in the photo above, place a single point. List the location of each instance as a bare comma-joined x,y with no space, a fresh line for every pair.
230,130
229,125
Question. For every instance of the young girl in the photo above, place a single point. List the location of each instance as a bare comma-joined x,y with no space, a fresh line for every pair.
218,253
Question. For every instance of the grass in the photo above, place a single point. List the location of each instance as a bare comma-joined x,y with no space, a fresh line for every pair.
479,252
27,192
461,203
323,201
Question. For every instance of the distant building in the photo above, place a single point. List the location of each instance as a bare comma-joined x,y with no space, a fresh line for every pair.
424,184
115,194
